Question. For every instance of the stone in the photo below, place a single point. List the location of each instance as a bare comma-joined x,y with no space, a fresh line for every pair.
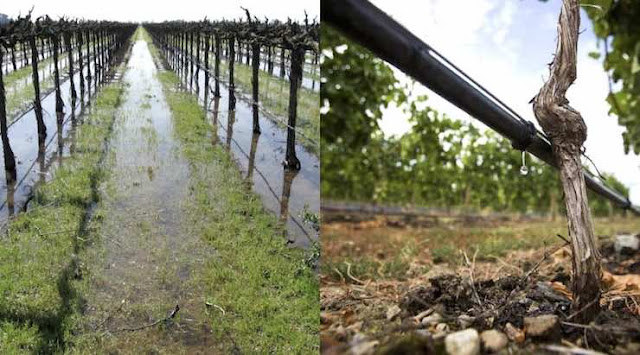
465,321
627,349
545,327
393,312
423,314
493,340
464,342
431,319
626,244
355,327
441,330
340,332
361,345
364,347
516,335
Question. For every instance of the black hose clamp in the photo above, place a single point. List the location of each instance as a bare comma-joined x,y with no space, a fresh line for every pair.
523,145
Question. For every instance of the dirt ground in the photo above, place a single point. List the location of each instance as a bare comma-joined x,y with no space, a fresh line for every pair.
388,286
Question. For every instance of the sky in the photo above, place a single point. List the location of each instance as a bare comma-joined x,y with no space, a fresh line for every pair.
505,45
139,11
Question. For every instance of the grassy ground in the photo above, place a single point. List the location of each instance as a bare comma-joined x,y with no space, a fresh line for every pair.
375,250
274,95
269,292
39,253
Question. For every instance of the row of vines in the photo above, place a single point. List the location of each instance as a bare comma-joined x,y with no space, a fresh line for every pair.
86,44
191,47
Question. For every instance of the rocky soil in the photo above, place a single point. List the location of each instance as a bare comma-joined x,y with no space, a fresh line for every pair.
519,304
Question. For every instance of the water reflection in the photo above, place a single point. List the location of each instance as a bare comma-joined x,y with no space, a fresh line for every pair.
42,172
288,177
230,120
60,150
11,190
214,120
252,157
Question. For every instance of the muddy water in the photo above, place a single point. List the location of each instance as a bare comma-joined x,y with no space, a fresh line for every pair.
33,164
287,194
147,252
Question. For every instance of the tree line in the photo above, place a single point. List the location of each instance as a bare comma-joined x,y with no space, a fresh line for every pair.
440,162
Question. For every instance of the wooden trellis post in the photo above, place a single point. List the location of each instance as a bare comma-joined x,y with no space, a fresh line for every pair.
67,40
255,82
86,33
291,159
248,52
9,158
96,67
232,86
207,42
216,69
282,57
25,59
270,60
13,58
56,75
190,57
80,62
184,55
42,48
37,106
197,57
102,61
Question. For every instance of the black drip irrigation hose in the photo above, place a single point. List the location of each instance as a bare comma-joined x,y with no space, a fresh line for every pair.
371,27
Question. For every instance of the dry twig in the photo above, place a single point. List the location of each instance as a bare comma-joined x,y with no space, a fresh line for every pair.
165,319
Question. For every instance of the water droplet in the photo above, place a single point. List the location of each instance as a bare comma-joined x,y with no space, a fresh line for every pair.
523,169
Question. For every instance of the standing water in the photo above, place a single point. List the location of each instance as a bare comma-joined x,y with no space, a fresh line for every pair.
147,254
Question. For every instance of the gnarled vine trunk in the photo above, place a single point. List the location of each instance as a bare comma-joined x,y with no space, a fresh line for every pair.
567,131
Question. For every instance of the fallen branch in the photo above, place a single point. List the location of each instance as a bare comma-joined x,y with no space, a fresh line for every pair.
544,257
167,318
609,329
472,266
576,313
573,351
521,282
117,309
351,276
